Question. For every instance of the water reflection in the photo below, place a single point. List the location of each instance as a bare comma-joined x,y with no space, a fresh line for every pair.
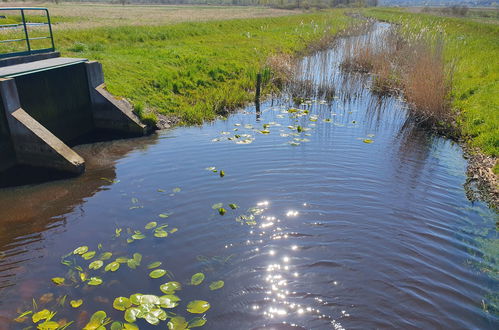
29,213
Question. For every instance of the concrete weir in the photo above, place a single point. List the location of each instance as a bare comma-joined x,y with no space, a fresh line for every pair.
49,104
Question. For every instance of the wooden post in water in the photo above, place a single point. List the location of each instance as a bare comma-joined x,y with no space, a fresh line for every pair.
257,94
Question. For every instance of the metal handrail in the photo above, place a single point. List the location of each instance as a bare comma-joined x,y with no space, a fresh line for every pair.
29,50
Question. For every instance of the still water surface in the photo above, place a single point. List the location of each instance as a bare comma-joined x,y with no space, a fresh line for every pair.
338,233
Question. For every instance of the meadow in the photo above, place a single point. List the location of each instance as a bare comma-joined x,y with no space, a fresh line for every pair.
186,72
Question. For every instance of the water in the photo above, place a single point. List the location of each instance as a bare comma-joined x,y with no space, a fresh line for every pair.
344,234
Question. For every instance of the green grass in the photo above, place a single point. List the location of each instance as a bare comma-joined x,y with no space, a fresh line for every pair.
193,71
473,47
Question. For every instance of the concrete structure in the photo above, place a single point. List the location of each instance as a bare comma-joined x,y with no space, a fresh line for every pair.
49,104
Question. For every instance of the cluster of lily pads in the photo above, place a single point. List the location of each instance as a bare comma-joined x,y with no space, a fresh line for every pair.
154,309
297,133
149,307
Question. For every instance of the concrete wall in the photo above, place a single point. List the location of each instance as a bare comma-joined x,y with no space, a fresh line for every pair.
58,99
7,155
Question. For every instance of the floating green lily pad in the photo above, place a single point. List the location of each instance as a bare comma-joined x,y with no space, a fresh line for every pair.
198,306
96,264
197,278
106,256
88,255
160,233
113,266
216,285
95,281
149,299
153,265
122,303
97,321
368,141
217,206
177,323
170,287
76,303
151,225
157,273
41,315
138,236
169,301
80,250
222,173
196,322
222,211
58,280
131,314
135,298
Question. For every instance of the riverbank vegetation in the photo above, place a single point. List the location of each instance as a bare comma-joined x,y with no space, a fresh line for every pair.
471,49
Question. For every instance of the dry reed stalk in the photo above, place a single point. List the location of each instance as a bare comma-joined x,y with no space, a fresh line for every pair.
413,65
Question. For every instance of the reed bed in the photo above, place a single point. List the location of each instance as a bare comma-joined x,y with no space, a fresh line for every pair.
411,65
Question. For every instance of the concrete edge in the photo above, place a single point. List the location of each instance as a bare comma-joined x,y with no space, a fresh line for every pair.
33,143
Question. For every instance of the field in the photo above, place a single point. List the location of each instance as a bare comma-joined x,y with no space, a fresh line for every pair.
189,71
472,49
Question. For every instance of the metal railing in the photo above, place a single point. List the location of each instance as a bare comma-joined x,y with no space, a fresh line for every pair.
24,24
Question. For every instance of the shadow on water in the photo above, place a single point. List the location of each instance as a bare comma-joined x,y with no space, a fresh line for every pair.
29,211
332,212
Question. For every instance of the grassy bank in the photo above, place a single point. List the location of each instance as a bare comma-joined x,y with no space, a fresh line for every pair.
193,71
473,49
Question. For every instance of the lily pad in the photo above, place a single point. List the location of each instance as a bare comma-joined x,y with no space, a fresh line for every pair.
149,299
41,315
58,280
97,321
151,225
368,141
48,325
95,281
177,323
131,314
160,233
217,206
157,273
153,265
222,173
96,264
88,255
222,211
76,303
176,190
135,298
169,301
197,278
170,287
138,236
122,303
216,285
233,206
105,256
196,322
113,266
163,215
198,306
80,250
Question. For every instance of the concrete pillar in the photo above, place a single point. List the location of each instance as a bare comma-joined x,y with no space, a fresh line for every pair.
108,112
33,143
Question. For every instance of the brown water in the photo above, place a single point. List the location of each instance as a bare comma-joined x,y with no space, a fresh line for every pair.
338,233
